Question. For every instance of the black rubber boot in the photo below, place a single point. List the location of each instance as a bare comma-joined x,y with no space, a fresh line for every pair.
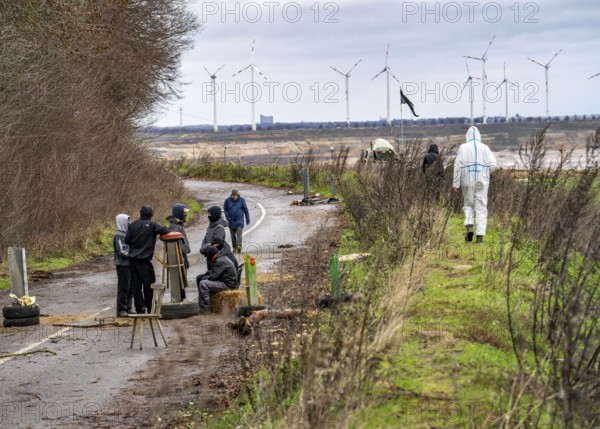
480,239
469,234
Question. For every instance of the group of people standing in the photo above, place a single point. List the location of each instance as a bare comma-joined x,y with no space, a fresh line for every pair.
134,244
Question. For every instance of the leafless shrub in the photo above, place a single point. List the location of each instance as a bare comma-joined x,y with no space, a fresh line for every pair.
77,79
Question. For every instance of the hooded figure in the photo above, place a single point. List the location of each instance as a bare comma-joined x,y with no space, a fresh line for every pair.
221,276
216,229
176,220
432,155
141,238
121,251
473,166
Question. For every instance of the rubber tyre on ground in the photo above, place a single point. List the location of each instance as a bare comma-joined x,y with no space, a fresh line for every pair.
20,312
22,322
179,310
247,310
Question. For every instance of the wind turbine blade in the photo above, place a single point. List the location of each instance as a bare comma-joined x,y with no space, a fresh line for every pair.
242,70
467,65
465,85
353,67
334,69
381,72
488,47
392,74
473,58
386,55
534,61
207,70
552,59
259,72
252,52
219,69
591,77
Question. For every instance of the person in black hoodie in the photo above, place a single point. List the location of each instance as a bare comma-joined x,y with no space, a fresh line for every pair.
432,155
176,222
222,276
141,238
216,229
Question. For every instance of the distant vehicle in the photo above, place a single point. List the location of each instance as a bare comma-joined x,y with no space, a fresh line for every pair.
379,150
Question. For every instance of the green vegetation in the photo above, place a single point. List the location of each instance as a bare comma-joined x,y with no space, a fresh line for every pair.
447,333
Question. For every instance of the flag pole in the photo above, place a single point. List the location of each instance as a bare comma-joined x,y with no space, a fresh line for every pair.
401,121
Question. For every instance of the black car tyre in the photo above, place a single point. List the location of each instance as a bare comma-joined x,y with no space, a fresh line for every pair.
20,312
179,310
25,321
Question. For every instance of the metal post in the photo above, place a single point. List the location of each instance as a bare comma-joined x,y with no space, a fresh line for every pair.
17,266
224,162
333,197
333,186
251,285
306,177
334,271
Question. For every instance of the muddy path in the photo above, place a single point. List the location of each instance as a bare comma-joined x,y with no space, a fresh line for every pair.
95,380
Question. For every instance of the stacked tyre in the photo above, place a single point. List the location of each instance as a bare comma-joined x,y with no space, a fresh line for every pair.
20,316
180,310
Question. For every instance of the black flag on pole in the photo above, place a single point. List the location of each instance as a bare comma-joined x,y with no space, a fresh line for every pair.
405,100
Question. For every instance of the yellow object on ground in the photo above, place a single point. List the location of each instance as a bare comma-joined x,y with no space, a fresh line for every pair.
24,301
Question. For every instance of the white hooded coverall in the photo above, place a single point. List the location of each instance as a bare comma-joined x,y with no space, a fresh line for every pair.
473,166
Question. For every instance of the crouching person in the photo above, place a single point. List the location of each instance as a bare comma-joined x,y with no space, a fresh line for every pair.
221,276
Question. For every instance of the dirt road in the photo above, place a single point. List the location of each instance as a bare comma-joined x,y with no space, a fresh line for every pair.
95,379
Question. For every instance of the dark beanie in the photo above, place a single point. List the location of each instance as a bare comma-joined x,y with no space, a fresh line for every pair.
214,213
218,241
211,252
147,211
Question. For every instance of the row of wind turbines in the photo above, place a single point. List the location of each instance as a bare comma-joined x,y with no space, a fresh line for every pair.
387,70
505,81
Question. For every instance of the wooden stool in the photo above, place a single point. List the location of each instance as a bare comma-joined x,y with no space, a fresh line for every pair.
154,315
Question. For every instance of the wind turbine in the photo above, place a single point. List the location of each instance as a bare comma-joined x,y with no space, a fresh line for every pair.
483,59
469,82
213,78
546,67
347,76
506,82
591,77
252,68
388,72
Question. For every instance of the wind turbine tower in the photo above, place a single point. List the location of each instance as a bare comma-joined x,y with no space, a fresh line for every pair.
469,82
347,79
506,82
388,73
213,78
252,68
546,67
483,60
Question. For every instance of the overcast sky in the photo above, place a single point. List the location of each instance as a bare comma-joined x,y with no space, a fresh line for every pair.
296,42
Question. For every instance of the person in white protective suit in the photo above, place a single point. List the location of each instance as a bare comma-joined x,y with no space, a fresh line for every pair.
473,166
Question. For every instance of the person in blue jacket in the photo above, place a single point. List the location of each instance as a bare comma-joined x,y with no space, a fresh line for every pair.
236,211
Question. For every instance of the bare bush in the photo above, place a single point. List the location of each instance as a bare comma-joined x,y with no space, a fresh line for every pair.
77,79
